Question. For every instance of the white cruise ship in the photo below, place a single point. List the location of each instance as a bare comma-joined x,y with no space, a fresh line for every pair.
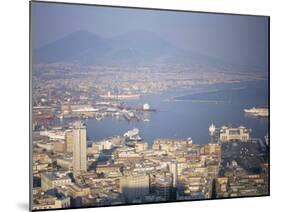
259,112
133,135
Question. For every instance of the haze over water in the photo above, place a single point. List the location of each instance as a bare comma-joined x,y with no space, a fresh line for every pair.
187,118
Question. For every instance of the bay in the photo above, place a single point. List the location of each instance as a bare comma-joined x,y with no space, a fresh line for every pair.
183,113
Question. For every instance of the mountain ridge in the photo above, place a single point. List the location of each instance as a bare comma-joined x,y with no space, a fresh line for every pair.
134,48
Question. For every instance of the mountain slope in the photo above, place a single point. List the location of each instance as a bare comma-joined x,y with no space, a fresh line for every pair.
69,48
136,48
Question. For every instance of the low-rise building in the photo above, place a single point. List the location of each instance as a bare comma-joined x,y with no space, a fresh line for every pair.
108,168
141,146
50,180
45,201
134,187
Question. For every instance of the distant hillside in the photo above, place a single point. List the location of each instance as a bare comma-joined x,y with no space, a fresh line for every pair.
137,48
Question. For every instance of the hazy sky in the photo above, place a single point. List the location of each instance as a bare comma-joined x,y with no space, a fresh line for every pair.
236,39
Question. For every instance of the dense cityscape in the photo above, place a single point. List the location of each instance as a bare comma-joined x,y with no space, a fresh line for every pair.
70,171
134,106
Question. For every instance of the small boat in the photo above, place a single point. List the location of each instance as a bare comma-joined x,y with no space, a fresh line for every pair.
99,117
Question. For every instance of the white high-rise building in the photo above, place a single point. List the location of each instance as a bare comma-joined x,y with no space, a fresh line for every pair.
79,148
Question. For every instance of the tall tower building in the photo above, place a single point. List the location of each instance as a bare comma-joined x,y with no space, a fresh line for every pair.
79,148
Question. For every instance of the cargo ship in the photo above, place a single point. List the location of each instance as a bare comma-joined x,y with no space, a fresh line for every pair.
258,112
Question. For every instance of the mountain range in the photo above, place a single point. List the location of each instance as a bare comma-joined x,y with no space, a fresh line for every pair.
136,48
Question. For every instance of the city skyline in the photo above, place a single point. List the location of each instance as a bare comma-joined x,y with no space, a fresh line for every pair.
134,106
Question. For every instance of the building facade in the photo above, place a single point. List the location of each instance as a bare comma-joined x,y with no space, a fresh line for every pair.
79,148
229,134
69,141
134,187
